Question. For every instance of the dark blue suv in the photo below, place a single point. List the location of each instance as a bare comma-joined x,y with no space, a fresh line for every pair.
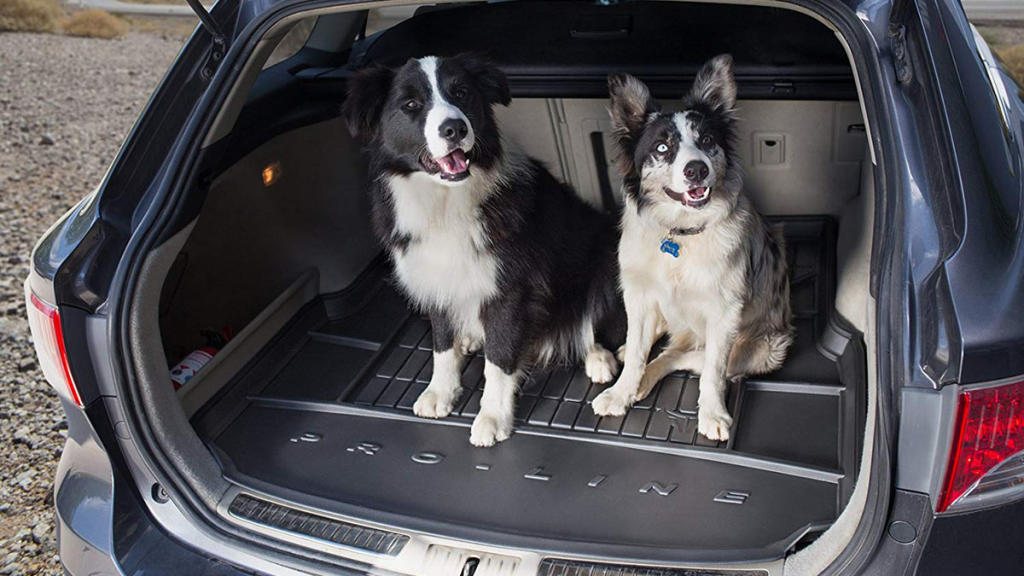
238,369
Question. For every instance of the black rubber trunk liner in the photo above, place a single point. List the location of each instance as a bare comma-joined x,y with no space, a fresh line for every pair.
325,413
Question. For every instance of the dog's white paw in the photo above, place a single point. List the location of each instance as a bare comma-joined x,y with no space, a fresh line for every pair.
490,428
601,366
435,403
470,345
714,422
621,353
611,402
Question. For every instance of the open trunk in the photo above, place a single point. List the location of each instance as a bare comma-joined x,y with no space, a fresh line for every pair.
308,408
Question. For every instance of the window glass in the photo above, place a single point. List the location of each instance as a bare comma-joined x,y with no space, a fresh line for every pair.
383,18
292,42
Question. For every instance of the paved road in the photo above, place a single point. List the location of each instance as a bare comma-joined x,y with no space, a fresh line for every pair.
117,7
995,9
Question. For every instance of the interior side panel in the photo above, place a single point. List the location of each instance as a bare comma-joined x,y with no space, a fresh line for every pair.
253,240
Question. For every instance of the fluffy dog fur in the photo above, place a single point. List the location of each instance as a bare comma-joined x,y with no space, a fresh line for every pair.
724,300
483,239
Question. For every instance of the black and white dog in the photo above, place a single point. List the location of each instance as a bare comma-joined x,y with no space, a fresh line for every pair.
697,260
483,239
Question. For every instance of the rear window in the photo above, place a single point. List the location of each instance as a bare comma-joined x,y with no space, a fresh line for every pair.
383,18
292,42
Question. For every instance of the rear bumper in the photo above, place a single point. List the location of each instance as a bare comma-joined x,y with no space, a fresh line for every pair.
83,501
102,528
986,542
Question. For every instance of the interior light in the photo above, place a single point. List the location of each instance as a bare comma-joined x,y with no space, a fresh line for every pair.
271,174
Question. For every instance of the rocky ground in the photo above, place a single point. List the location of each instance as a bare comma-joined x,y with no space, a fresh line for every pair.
66,104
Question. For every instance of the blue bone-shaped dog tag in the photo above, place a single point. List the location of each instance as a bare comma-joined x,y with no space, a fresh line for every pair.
670,247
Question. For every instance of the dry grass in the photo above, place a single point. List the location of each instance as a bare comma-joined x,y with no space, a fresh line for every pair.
1013,59
1007,41
206,3
29,15
94,24
163,26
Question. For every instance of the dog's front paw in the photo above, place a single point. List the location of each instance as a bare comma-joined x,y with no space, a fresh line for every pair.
714,422
490,428
600,366
435,403
612,402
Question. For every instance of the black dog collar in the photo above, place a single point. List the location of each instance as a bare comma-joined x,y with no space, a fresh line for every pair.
686,231
668,246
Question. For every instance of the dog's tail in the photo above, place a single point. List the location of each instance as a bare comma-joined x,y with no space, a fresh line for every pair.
759,355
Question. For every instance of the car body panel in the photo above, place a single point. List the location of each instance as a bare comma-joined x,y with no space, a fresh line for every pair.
951,220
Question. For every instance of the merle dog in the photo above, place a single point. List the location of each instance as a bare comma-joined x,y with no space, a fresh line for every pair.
697,260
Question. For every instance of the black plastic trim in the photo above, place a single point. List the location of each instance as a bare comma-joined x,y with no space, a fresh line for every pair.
278,517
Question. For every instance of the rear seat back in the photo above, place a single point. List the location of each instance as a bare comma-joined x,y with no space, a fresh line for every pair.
798,156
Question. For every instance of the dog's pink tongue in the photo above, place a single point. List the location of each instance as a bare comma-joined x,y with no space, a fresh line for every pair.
454,163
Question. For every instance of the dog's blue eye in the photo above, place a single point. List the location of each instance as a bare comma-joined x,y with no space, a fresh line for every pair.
662,148
411,105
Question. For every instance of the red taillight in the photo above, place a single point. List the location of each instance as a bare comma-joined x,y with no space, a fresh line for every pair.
44,322
989,431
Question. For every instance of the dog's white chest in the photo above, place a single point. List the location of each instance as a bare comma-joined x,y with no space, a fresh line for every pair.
447,263
689,287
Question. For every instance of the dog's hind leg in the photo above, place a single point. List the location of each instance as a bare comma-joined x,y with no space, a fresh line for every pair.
598,363
469,345
678,355
445,385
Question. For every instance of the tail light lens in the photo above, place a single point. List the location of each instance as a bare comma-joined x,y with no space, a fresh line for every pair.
44,322
987,458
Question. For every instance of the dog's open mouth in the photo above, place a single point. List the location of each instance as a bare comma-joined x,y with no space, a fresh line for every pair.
453,167
694,197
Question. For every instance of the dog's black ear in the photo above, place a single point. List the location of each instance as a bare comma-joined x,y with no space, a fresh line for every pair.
367,93
631,108
715,83
492,81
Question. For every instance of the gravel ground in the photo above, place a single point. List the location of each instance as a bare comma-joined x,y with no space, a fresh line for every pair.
66,104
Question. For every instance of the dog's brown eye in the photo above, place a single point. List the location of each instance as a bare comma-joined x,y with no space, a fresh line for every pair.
459,93
706,141
411,105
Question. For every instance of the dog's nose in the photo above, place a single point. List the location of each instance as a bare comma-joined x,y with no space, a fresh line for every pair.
453,130
695,171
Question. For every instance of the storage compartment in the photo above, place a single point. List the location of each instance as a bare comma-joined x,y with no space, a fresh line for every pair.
308,409
325,410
